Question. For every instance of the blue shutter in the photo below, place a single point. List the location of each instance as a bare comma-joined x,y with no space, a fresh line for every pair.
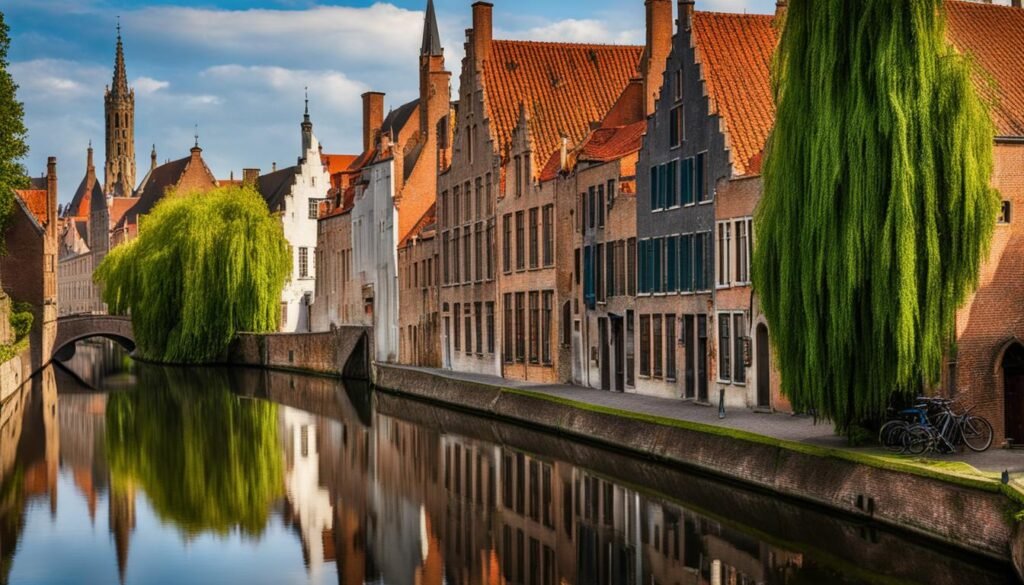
702,194
698,261
671,264
654,188
656,261
672,183
588,277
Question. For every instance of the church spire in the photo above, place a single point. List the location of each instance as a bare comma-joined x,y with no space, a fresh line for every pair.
120,83
307,129
431,38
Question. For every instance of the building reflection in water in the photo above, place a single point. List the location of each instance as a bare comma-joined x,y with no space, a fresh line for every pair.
401,493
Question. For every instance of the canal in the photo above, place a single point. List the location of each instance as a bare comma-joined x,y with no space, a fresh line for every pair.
116,471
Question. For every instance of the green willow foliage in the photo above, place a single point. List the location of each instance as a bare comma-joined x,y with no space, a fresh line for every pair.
877,207
203,267
13,145
208,460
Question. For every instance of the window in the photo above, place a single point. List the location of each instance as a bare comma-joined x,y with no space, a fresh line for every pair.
631,267
671,264
645,345
520,323
507,349
468,312
656,337
686,181
520,240
611,193
644,266
445,209
686,263
545,327
670,347
630,351
678,85
488,200
490,327
466,256
591,207
479,192
656,265
447,257
491,247
599,280
600,206
576,265
303,262
701,278
467,203
456,199
589,297
566,324
739,374
534,326
609,273
455,257
519,171
663,186
724,347
549,235
506,243
456,315
479,250
1004,213
534,243
743,251
314,208
675,131
700,181
723,253
479,328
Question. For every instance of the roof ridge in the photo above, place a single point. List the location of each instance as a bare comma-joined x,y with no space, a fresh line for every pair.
567,44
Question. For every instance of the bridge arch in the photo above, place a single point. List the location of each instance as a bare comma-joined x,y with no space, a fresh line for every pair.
73,328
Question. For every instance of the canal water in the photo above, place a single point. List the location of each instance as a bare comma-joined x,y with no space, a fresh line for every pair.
115,471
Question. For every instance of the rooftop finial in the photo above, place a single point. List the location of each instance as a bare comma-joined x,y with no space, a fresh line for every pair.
197,136
307,100
120,83
119,27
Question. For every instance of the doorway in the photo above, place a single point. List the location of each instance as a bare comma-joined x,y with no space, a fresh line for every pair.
702,358
602,341
763,368
619,345
1013,393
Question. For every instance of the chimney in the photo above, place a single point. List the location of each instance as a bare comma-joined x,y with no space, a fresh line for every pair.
273,167
482,30
1015,3
659,44
250,177
51,194
88,158
685,14
373,117
564,153
152,158
782,5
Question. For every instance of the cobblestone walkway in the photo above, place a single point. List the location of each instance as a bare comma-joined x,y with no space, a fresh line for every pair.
798,428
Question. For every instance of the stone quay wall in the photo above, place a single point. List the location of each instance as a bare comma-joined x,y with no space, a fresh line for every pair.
976,515
344,351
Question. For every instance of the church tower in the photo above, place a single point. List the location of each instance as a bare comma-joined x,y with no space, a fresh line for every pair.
119,110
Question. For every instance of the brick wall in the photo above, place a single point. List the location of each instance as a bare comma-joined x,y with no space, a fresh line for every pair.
335,352
993,317
418,317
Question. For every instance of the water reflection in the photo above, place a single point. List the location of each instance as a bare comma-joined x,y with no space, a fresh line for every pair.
220,475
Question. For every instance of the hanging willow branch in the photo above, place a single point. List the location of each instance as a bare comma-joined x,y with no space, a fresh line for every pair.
203,267
877,207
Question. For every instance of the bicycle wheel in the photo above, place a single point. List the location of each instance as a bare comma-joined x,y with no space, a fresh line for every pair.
917,439
891,434
977,433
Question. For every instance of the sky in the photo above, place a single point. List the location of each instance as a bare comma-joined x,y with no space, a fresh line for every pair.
238,70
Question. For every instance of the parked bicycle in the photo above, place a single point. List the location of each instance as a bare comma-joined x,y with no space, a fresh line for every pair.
931,424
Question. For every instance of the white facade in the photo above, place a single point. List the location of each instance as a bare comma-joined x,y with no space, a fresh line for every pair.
298,216
375,252
311,502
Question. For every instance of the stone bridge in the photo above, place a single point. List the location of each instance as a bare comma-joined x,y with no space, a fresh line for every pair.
74,328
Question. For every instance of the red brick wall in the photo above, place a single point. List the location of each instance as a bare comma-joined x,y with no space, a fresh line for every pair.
993,317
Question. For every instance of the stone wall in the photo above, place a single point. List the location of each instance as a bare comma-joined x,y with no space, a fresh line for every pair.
343,351
974,516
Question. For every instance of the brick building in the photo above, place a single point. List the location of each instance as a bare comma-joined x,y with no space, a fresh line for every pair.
702,134
986,365
29,266
418,271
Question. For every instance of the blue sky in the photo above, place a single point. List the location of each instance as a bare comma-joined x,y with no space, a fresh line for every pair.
237,69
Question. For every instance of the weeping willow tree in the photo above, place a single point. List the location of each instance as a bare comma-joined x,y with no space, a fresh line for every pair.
203,267
877,207
207,459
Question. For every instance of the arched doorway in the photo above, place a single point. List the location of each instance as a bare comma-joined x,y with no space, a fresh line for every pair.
764,391
1013,392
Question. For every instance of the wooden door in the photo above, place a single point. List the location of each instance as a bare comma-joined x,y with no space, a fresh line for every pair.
1013,393
764,391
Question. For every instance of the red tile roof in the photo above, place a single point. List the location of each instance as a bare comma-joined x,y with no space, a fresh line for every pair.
423,228
735,52
336,163
608,144
994,36
119,206
564,88
35,202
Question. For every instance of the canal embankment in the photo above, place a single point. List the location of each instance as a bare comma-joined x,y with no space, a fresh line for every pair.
343,351
948,502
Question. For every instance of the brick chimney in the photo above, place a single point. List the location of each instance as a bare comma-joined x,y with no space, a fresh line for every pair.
373,117
483,30
250,177
659,44
685,14
51,196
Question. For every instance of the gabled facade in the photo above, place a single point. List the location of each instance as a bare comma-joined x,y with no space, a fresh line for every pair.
418,321
294,194
29,266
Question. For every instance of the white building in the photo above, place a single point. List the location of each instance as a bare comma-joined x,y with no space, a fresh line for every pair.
294,194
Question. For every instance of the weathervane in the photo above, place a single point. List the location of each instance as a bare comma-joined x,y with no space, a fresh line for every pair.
197,135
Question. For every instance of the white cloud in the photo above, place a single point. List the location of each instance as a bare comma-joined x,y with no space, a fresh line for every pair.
148,85
55,80
333,88
574,30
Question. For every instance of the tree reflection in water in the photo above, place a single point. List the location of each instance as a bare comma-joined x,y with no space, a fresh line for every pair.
208,459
